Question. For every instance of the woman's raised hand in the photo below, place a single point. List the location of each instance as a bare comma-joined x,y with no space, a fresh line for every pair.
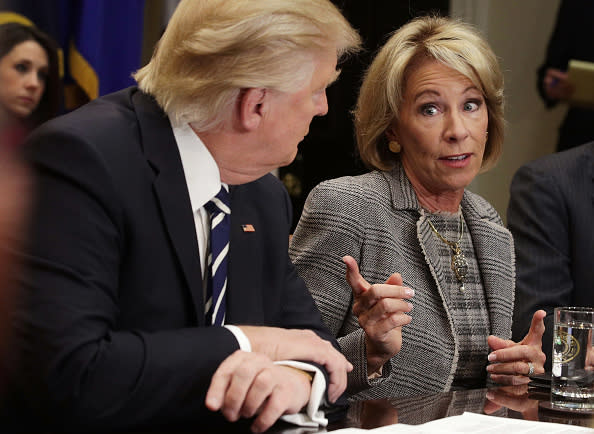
380,309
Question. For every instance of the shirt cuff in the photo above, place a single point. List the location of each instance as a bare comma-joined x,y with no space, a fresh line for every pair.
313,416
242,339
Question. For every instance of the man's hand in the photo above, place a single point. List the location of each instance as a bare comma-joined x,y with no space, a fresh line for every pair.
250,384
381,311
511,360
303,345
556,85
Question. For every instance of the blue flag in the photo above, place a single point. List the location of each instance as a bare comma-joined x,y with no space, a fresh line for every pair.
106,44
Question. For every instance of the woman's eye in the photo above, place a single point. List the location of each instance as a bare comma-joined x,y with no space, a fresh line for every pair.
471,106
21,67
429,110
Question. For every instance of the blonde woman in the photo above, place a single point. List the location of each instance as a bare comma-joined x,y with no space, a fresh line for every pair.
429,118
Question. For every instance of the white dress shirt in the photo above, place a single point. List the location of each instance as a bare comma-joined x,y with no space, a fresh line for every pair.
204,182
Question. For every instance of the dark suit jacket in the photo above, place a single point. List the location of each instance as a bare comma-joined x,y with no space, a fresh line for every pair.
113,333
550,215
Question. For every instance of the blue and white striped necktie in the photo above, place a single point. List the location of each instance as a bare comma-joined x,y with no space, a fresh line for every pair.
219,211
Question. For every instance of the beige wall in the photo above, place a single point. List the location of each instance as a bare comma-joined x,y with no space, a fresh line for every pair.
518,31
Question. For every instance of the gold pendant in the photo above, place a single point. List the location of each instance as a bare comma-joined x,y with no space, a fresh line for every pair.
459,265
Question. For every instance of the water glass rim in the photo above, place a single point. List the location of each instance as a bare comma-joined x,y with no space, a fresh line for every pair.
584,309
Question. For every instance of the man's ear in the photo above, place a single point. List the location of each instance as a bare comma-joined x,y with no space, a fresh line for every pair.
251,107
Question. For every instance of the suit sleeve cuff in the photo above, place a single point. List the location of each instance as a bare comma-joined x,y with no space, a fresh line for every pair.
242,339
311,415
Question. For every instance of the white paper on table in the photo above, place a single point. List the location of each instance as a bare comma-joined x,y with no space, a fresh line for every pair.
474,423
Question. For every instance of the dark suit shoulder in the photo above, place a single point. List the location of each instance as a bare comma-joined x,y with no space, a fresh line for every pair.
266,188
107,117
97,148
107,131
111,108
566,165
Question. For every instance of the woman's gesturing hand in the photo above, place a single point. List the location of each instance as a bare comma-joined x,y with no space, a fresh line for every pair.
380,309
511,362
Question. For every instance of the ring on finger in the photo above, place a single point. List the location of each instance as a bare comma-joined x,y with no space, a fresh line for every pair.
531,369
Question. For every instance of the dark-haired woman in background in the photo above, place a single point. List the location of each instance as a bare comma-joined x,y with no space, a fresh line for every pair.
29,80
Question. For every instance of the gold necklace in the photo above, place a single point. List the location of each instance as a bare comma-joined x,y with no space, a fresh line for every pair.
459,263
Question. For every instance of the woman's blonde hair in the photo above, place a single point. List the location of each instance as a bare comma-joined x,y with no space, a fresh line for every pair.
455,44
213,48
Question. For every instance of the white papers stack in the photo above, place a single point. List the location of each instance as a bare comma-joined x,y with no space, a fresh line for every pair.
474,423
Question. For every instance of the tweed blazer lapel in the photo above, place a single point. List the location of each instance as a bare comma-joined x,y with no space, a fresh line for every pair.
497,271
405,198
172,193
403,195
430,247
488,236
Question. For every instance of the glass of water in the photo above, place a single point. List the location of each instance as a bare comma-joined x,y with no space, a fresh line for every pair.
572,382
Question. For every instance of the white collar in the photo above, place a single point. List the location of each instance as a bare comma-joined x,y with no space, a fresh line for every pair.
200,169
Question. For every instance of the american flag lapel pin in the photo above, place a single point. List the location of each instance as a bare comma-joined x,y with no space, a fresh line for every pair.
248,228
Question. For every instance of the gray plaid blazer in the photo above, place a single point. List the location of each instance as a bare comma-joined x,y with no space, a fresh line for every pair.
376,219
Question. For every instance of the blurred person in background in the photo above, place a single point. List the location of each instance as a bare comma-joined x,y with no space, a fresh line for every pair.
29,80
572,39
550,215
14,199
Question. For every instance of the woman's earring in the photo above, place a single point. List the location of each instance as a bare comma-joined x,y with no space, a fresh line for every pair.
394,146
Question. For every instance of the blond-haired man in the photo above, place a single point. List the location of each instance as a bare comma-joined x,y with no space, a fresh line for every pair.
118,332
